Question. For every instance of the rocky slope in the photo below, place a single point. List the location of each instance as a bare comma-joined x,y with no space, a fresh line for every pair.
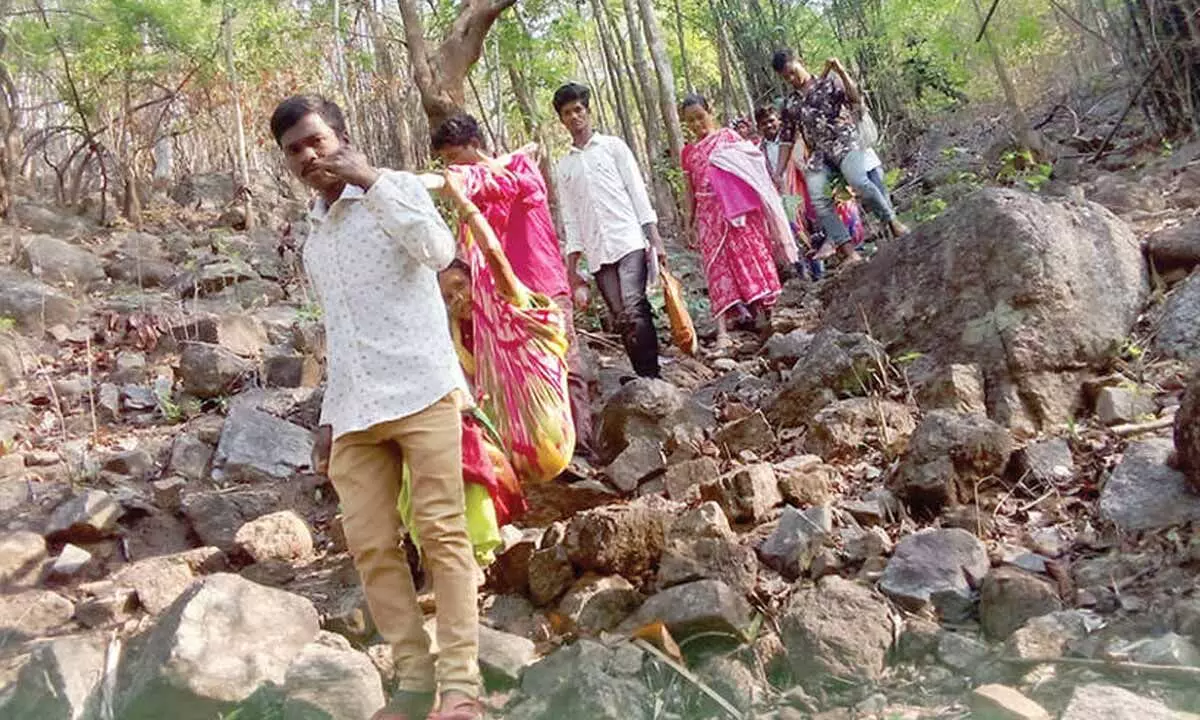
945,486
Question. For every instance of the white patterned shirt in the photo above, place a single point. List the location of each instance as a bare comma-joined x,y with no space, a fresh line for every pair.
604,201
373,258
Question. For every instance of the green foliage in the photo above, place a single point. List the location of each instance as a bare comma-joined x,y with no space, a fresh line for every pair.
1019,167
7,324
309,312
925,208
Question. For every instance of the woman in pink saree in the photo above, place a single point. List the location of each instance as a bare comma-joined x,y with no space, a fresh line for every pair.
737,218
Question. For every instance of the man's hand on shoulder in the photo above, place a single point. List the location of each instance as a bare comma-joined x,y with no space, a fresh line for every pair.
350,165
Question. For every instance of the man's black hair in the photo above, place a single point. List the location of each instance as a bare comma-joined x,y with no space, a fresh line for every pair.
763,112
569,93
693,99
782,59
458,130
290,111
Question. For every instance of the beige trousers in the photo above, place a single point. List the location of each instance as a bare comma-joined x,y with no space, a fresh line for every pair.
365,468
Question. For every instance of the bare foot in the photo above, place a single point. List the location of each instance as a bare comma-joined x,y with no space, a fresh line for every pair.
825,252
899,229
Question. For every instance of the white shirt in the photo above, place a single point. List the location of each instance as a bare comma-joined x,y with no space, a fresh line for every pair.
373,258
604,201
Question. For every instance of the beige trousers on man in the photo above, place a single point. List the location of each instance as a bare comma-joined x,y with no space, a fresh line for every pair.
365,468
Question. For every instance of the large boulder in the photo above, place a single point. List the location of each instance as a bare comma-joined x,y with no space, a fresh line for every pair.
218,644
258,447
1108,702
938,567
747,494
1178,335
947,455
209,371
1024,286
1187,432
1010,597
837,631
843,429
1144,493
329,680
32,613
22,554
59,263
653,410
1175,248
586,680
61,681
833,365
32,304
598,604
693,608
58,222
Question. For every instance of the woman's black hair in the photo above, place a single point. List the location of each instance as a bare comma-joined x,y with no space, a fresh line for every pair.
569,93
694,99
290,111
782,59
458,130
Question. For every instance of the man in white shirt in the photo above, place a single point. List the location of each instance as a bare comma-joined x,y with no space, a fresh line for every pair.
609,220
392,397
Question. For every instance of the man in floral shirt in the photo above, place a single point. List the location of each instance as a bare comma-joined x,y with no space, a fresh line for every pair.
821,116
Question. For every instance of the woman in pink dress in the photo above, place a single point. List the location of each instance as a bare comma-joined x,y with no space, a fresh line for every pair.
734,210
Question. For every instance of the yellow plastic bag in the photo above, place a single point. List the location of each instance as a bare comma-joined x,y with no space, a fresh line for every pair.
683,332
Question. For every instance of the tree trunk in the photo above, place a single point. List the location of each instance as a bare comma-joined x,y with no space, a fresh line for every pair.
10,151
683,56
723,66
398,133
665,202
243,167
666,77
1022,129
639,100
441,74
613,69
591,78
535,130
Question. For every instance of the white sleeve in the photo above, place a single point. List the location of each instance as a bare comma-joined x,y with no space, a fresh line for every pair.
574,243
406,213
634,185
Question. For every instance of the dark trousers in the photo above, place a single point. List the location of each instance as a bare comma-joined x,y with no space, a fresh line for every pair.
623,286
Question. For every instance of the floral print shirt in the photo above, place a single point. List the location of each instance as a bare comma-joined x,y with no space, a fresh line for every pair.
823,116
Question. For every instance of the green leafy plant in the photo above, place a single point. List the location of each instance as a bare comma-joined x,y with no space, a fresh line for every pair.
309,312
1019,167
7,324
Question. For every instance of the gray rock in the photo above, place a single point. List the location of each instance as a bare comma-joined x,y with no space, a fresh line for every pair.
746,494
157,582
216,516
1011,597
503,657
834,364
1019,284
1144,493
842,429
70,562
33,613
860,545
784,349
947,455
22,554
137,463
1044,461
210,371
1177,334
1115,405
1169,649
696,607
716,558
280,536
51,220
791,548
1175,248
733,681
623,540
641,459
639,409
178,668
34,305
350,616
751,433
287,369
190,457
837,630
239,333
168,493
59,263
331,683
683,480
961,652
1106,702
955,386
598,604
61,681
1049,635
258,447
89,516
574,682
706,521
1187,618
1187,432
938,567
550,575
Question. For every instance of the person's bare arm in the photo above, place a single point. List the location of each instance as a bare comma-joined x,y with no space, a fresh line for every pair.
848,84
